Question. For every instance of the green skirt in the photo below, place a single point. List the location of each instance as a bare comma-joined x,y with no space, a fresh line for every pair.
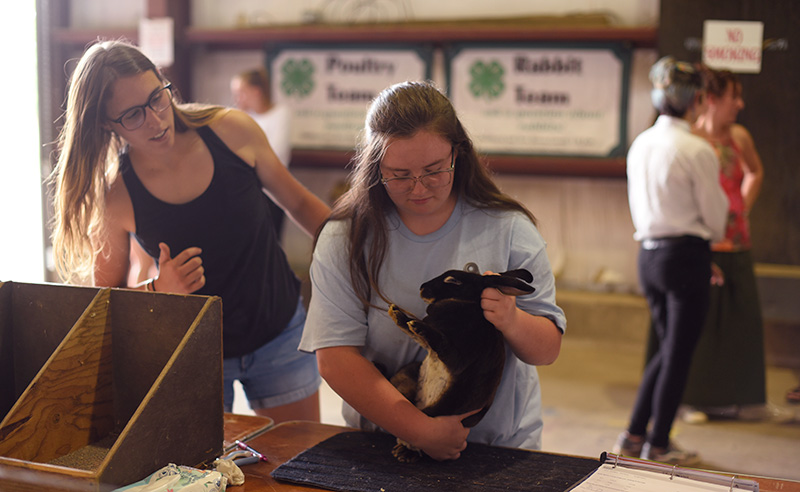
728,367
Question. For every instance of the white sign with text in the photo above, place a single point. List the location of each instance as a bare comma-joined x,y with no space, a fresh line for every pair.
542,100
329,89
733,45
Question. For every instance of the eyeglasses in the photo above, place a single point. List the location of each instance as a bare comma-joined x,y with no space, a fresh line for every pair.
133,118
431,180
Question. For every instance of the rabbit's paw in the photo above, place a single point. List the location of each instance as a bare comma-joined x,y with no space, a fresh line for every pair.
416,327
398,315
405,454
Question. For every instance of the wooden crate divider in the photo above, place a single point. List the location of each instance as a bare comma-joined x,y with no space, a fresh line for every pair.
132,384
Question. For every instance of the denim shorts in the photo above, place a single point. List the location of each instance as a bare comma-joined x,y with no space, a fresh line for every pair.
277,373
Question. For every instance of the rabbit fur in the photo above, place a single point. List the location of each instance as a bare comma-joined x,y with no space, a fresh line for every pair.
466,353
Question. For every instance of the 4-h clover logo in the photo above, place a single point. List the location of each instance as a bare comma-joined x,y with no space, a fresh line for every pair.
487,80
297,77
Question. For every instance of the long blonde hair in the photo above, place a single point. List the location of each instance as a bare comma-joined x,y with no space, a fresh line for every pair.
88,151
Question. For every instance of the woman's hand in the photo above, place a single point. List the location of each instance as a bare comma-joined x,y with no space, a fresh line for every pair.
717,275
534,340
361,385
446,437
183,274
499,309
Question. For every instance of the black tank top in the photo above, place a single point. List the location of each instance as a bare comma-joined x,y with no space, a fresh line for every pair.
230,221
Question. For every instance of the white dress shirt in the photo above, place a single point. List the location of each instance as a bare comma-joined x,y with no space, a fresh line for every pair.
673,183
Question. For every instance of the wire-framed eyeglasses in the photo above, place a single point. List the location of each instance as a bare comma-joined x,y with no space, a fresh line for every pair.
159,101
431,180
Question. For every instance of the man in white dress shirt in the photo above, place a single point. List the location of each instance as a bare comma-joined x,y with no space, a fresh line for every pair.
678,207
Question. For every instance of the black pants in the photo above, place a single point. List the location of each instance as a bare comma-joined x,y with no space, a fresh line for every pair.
675,279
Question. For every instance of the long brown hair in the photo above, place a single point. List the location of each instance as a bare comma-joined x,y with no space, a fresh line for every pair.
401,111
88,149
716,82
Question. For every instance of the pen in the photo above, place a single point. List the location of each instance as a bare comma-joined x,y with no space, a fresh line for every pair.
248,448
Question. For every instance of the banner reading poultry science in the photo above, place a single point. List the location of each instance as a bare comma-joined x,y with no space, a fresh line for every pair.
329,87
542,99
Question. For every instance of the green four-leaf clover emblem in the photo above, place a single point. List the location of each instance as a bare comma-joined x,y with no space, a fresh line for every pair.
297,77
486,80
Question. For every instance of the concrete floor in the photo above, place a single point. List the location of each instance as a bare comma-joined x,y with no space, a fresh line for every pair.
589,392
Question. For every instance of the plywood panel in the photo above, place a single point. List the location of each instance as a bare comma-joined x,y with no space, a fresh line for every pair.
70,403
771,108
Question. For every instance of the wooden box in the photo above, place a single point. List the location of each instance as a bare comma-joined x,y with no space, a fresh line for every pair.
101,387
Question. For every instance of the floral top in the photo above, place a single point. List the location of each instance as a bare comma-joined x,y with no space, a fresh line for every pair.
737,227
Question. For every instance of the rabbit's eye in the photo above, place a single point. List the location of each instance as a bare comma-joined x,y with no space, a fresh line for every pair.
452,280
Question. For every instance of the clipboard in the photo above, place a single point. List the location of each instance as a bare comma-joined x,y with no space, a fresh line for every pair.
621,474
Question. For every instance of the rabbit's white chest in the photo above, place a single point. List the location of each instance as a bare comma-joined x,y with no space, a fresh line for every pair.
434,377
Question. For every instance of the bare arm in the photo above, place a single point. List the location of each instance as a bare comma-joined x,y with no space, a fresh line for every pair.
247,140
112,262
751,165
359,383
534,340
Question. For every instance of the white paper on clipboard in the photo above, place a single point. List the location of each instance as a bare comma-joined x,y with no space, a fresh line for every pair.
620,479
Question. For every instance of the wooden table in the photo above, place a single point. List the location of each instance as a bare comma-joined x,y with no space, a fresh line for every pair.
242,428
281,443
284,441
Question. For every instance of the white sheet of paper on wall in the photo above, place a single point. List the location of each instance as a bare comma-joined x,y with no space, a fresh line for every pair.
157,40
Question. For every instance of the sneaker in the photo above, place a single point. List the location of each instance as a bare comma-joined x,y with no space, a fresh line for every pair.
627,447
694,416
671,455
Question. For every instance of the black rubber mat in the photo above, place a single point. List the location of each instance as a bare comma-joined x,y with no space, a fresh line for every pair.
363,461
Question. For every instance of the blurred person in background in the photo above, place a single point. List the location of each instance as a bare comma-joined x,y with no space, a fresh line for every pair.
678,208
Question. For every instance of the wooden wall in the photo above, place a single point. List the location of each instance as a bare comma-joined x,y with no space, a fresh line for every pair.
772,112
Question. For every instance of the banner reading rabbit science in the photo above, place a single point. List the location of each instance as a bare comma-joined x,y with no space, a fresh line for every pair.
330,87
542,100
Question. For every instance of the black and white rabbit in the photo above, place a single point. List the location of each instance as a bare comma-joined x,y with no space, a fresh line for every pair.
466,353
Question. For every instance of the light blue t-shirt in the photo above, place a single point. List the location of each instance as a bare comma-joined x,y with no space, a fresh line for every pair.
494,240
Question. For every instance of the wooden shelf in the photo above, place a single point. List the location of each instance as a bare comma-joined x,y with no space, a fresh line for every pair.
608,167
82,37
595,167
436,33
433,32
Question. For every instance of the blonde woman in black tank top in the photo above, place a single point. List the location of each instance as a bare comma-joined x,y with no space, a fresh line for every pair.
185,181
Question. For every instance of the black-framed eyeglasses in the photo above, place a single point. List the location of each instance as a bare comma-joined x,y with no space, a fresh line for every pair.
431,180
159,101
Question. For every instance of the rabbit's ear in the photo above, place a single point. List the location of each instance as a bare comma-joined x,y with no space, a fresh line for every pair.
520,273
510,283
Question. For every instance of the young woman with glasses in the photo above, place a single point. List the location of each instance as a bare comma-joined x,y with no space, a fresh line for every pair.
421,202
186,182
